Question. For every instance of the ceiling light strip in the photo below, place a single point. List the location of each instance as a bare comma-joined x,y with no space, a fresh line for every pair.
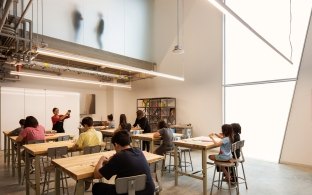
227,11
28,74
79,58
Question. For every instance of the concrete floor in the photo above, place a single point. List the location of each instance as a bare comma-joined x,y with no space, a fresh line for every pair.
264,178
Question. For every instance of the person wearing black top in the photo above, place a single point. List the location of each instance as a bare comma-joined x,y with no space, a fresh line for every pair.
125,163
142,121
123,124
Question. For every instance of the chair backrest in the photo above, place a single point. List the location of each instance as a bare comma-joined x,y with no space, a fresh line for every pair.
130,184
91,149
35,141
57,152
63,138
238,146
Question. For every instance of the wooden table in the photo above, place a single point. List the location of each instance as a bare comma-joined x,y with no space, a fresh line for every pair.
197,143
38,150
150,138
81,167
48,137
6,147
110,132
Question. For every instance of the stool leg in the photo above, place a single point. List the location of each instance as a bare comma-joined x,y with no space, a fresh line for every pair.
184,161
213,178
244,175
190,159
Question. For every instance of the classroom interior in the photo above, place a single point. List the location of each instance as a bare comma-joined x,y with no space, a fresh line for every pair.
257,76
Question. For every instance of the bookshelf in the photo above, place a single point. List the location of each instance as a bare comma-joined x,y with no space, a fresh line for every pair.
157,109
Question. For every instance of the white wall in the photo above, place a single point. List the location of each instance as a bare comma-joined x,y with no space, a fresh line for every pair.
297,148
199,97
126,24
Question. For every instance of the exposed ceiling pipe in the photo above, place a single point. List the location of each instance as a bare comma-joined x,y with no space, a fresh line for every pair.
23,14
5,13
79,70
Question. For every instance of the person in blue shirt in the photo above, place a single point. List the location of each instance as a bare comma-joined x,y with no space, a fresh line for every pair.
225,145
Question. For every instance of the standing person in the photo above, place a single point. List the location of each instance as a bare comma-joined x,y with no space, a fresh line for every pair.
123,124
32,131
225,147
142,121
90,137
167,137
126,162
58,120
17,131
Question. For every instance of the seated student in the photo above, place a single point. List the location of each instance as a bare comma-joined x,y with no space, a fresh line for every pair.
32,131
90,137
123,125
125,163
225,147
167,137
110,122
17,131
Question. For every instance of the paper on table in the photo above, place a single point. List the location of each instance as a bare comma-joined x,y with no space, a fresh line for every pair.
202,139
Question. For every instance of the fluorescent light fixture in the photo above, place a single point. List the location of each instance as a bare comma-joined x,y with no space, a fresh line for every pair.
28,74
226,10
83,59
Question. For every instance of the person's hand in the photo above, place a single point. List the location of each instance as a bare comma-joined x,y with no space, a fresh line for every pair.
104,159
211,135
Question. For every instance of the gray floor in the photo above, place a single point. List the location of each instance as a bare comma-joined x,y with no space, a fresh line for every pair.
263,178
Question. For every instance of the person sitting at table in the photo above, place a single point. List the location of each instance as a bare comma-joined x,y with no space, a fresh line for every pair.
123,125
166,135
32,131
90,137
142,121
17,131
110,122
225,147
126,162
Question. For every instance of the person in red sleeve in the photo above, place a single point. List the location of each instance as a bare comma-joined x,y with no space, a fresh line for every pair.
58,120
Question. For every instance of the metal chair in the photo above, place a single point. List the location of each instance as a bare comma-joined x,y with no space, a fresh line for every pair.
241,160
130,184
230,165
54,153
63,138
91,149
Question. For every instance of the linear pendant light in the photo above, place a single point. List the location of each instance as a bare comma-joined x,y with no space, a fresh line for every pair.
28,74
83,59
228,11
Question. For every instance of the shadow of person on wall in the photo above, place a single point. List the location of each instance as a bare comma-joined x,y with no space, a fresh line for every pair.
77,20
100,30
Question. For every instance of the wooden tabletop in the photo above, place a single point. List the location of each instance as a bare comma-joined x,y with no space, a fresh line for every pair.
47,137
42,148
150,136
82,167
110,132
6,132
202,142
181,126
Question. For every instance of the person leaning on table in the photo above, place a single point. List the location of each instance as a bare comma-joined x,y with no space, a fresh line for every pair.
90,137
125,163
17,131
167,136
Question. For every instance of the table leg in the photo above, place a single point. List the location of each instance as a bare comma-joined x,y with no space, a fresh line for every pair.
27,167
9,153
176,174
152,147
80,187
13,159
5,147
19,168
37,174
204,166
57,181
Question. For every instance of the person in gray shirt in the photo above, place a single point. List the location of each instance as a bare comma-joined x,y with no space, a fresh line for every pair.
16,131
166,135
